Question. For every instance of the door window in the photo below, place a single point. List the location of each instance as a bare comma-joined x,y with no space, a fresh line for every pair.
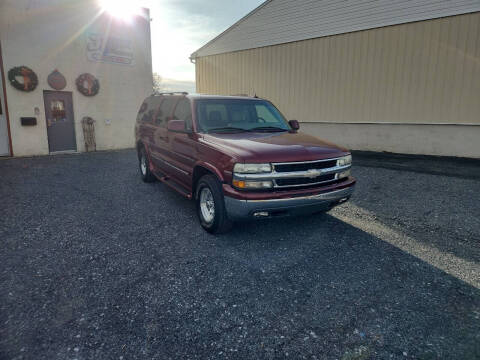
57,108
183,111
165,111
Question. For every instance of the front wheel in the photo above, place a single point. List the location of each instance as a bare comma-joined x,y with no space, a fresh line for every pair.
211,206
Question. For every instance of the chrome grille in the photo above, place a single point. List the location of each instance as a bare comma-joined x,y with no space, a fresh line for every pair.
302,181
294,175
322,172
304,166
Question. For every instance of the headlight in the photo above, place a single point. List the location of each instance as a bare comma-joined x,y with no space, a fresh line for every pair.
343,161
252,168
252,184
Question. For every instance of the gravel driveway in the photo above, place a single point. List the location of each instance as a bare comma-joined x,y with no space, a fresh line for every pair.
95,264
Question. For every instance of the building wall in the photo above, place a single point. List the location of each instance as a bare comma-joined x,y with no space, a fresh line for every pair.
398,77
52,34
281,21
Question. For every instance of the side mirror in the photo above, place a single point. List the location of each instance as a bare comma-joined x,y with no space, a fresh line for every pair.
294,124
176,126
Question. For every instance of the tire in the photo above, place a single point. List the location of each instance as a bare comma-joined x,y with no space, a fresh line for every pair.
144,166
209,196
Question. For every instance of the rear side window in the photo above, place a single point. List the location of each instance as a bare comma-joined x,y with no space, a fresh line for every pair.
183,112
165,111
146,111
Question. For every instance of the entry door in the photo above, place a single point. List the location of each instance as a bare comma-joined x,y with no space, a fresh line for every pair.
4,142
60,125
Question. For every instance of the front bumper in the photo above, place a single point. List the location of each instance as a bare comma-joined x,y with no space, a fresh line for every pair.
240,209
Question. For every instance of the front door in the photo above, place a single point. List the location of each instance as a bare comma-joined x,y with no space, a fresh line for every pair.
60,125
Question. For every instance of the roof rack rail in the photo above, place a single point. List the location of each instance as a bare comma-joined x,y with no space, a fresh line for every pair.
246,95
171,93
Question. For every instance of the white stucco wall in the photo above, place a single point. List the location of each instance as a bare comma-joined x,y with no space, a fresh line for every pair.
52,34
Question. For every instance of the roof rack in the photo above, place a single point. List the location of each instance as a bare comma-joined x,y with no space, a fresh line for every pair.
171,93
246,95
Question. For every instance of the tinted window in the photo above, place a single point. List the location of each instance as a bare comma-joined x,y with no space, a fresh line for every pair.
184,112
146,111
165,111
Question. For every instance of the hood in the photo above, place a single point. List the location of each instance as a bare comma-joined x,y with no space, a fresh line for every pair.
274,147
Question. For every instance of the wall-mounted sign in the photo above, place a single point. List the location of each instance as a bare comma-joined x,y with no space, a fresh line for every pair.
111,49
56,80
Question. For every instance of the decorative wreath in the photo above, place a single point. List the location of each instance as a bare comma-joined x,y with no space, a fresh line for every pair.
30,79
87,84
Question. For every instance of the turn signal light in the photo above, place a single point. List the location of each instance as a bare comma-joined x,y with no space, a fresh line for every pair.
239,184
252,184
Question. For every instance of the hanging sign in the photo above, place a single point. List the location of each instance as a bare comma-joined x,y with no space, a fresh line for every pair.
56,80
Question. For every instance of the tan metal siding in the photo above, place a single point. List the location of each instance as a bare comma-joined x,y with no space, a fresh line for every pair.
282,21
423,72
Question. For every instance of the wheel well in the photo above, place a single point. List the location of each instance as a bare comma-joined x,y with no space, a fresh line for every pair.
198,172
139,147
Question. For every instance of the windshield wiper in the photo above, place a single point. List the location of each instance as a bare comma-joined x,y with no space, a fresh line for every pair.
271,128
227,128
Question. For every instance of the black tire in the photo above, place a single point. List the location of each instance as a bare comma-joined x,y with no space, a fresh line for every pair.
220,222
144,166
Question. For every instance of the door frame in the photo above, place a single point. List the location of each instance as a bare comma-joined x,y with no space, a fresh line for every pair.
5,105
73,122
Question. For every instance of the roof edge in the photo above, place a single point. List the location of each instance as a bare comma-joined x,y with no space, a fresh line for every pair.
194,54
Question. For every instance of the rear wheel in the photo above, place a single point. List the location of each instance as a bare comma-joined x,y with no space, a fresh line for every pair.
211,206
144,164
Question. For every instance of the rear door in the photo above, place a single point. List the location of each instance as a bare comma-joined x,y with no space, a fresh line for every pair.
145,124
160,150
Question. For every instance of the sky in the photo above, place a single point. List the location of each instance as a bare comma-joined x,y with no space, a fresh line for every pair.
179,27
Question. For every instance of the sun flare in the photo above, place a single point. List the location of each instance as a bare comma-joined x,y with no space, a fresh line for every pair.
121,9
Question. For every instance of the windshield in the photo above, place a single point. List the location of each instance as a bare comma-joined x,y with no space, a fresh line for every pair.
237,115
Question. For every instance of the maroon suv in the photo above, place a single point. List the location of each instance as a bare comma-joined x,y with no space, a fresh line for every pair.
238,158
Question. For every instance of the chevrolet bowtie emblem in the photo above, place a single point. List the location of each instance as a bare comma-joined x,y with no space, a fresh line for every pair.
313,173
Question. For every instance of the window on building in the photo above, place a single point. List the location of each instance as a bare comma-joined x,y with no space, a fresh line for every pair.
183,112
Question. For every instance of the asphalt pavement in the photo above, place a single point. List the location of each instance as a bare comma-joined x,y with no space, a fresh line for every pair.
96,264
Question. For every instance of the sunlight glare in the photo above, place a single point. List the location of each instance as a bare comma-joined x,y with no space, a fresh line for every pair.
121,9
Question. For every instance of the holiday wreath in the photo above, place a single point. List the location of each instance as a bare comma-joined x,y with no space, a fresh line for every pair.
30,79
87,84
